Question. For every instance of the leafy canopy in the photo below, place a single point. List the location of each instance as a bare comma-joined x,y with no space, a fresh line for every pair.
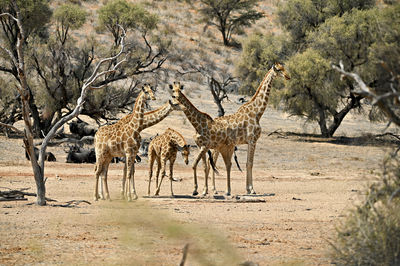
128,15
70,16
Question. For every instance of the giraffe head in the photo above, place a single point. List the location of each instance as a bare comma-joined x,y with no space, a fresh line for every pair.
280,70
185,151
176,92
148,92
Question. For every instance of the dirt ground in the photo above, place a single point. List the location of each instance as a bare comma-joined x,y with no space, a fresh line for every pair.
304,183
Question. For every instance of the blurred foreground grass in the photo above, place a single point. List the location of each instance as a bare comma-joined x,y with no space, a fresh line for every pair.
154,238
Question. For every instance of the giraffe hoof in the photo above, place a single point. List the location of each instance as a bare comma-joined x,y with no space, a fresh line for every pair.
227,194
215,192
195,193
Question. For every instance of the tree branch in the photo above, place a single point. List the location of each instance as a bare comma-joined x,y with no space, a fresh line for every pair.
364,90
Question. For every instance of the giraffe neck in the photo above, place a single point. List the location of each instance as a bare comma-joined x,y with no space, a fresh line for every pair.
195,117
138,112
153,117
177,138
259,101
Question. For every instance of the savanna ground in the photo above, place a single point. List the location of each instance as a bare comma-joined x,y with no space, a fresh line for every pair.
304,183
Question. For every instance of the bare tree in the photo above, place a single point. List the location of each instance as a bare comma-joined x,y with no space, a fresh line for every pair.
23,88
217,83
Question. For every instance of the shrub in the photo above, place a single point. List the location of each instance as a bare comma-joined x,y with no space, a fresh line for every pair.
370,235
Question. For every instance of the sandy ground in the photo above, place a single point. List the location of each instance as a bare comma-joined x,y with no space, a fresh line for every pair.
304,183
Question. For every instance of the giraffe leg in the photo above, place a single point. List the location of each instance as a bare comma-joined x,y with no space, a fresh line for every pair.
130,185
206,172
163,163
151,163
123,193
158,171
98,170
171,173
107,193
215,154
227,156
250,158
203,150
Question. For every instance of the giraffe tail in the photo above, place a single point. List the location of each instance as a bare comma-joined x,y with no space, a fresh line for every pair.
236,159
212,162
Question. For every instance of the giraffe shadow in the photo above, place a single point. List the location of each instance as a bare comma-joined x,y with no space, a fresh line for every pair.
215,197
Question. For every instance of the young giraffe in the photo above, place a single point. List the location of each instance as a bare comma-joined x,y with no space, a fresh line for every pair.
164,148
121,139
224,133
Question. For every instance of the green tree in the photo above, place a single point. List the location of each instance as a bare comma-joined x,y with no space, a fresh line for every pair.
68,16
320,31
258,54
301,17
229,16
128,15
316,92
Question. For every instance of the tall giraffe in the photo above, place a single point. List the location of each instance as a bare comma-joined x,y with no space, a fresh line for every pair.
149,119
224,133
164,148
121,139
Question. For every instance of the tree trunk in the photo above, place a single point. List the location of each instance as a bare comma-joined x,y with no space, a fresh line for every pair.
29,147
338,117
213,84
322,123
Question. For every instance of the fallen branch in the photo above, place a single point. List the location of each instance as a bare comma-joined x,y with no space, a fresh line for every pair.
72,203
12,127
15,195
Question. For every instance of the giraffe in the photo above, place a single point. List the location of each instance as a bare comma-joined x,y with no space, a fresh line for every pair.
164,148
149,119
224,133
121,139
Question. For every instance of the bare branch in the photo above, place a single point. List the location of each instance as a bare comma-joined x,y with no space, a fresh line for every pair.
362,87
6,14
365,91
